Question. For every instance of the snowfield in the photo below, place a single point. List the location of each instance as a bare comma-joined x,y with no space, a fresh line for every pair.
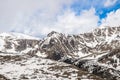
36,68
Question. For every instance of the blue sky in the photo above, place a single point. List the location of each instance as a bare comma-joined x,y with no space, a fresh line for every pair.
99,5
39,17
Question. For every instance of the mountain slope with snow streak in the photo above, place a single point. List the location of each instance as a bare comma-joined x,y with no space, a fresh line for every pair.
17,43
101,46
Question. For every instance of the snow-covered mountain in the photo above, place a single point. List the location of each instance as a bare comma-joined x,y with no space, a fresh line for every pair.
17,43
97,52
99,41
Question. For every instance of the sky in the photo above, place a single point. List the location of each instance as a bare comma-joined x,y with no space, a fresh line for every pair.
40,17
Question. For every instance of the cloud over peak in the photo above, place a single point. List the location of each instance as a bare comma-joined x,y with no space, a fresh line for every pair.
71,23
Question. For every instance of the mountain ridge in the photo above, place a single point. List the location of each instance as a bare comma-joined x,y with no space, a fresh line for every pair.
97,52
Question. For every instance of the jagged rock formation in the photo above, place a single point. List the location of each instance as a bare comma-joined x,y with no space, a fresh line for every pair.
99,41
100,45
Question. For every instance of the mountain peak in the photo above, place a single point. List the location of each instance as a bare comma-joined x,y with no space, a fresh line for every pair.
52,33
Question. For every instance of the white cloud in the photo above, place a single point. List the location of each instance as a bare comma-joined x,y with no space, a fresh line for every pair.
70,23
36,18
12,10
112,19
67,22
109,3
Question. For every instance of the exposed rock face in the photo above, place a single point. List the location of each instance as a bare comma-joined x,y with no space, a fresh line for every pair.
58,44
2,77
102,46
96,68
99,41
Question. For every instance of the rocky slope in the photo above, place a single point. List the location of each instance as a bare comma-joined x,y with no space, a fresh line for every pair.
99,41
18,44
97,52
37,68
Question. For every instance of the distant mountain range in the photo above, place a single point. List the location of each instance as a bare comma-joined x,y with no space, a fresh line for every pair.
97,52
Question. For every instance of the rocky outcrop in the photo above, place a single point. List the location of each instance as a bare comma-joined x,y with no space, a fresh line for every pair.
2,77
101,46
57,45
93,67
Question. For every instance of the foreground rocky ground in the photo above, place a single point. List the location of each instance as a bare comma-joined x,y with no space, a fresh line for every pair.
36,68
